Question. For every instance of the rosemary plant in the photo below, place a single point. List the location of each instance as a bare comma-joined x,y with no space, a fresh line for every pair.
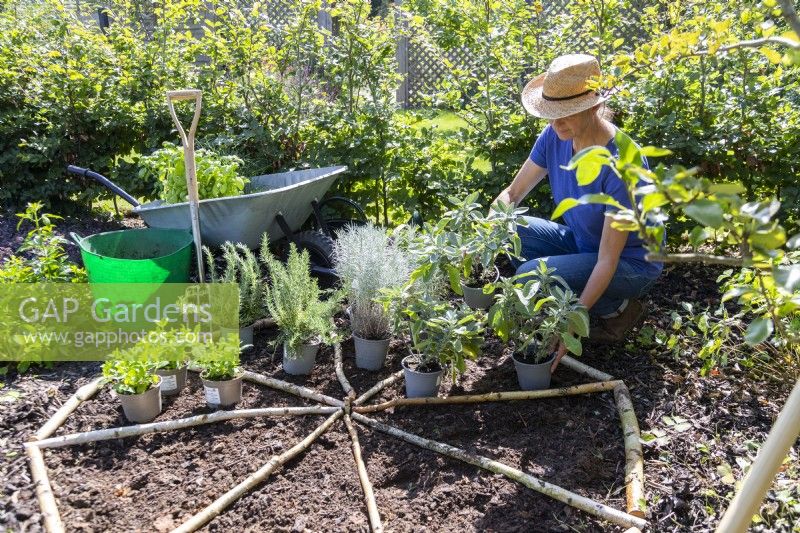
294,300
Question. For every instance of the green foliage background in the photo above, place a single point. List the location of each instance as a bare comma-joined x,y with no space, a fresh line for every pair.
288,94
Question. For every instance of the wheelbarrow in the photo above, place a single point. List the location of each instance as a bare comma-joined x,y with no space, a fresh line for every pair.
276,204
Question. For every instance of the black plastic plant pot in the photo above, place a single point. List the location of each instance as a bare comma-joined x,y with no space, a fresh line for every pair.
144,407
224,393
420,384
534,376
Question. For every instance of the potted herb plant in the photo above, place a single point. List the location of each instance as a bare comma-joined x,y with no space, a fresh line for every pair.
536,311
294,301
137,388
441,336
173,376
241,266
220,374
368,262
170,359
476,241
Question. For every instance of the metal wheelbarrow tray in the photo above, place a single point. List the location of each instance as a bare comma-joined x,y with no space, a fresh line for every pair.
276,204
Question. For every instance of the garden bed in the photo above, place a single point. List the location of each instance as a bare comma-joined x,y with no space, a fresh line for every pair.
154,481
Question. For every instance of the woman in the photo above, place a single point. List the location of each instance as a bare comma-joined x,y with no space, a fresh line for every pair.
604,265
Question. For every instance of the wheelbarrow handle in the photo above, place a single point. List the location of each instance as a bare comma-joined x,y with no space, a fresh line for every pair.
107,183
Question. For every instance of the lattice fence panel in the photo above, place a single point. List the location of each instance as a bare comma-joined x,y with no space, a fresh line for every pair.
425,70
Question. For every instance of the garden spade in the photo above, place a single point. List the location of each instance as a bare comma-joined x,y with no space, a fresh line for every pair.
189,164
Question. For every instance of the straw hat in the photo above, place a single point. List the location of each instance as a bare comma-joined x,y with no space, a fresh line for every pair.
561,91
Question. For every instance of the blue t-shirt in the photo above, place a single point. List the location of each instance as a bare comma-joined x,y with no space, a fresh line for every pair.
586,221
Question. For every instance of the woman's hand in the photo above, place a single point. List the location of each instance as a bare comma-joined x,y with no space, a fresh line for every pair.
559,354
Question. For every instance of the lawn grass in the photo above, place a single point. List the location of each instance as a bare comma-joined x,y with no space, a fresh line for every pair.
446,123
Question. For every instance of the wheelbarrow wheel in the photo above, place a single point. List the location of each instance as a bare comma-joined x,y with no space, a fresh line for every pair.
319,246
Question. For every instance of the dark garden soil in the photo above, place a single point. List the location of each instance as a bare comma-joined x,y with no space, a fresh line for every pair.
154,482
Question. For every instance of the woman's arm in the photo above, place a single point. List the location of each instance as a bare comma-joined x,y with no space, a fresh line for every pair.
526,179
612,241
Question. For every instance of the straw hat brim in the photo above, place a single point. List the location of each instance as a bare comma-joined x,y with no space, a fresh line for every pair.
535,104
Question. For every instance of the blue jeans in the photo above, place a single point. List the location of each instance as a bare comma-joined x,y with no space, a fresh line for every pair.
555,245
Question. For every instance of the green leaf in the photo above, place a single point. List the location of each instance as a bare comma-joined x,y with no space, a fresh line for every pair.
758,331
579,322
787,277
698,236
706,212
628,150
737,292
729,188
588,163
568,203
654,151
572,344
653,200
768,240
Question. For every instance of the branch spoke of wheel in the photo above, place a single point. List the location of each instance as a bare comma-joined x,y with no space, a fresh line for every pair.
563,495
366,485
180,423
602,386
634,475
221,503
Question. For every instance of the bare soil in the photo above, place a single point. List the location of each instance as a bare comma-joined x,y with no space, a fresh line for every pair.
154,482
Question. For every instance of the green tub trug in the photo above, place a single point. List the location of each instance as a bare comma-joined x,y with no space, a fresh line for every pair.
147,255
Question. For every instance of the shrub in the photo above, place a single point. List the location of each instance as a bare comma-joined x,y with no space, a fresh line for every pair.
41,257
294,300
243,268
216,174
536,310
367,262
129,375
219,360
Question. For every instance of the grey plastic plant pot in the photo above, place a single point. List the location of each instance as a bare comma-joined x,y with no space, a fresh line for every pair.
371,354
533,377
420,384
222,394
172,380
474,296
302,362
246,337
142,407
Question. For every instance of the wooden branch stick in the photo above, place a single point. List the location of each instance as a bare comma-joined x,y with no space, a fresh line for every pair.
291,388
169,425
44,493
494,396
379,386
570,498
634,459
699,258
338,364
751,43
790,15
369,496
221,503
58,418
582,368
